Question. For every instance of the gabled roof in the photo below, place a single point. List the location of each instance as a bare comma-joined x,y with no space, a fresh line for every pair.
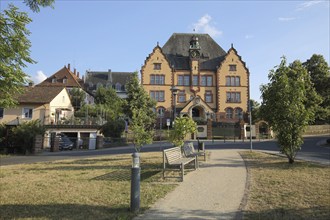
39,94
176,50
103,77
73,81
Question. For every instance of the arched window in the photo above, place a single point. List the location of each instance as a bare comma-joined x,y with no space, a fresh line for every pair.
238,113
229,112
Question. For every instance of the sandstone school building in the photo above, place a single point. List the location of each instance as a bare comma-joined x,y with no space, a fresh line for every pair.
193,76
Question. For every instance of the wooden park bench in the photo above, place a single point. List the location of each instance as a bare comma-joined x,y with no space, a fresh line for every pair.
189,151
173,157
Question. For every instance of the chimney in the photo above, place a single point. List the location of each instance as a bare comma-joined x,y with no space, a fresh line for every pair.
68,66
74,71
78,74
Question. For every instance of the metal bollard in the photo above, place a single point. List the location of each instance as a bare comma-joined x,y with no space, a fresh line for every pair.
135,183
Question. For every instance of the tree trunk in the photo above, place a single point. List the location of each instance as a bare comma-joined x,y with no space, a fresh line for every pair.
291,160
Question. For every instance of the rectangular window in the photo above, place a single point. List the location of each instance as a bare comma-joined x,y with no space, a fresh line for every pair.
232,67
206,81
183,80
152,79
157,66
209,81
237,81
181,96
157,95
180,80
233,81
195,81
203,81
27,113
157,79
1,112
227,80
233,97
208,96
186,80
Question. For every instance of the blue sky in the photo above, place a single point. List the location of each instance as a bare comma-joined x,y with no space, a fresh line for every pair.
119,35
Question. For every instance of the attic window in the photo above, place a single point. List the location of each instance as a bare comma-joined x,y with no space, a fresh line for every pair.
54,80
65,80
232,67
157,66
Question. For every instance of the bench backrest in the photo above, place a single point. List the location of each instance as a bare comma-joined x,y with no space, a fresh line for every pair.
188,149
173,154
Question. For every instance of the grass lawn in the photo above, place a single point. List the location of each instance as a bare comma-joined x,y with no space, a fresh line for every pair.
97,188
279,190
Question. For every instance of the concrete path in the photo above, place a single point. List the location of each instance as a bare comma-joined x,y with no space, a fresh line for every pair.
215,191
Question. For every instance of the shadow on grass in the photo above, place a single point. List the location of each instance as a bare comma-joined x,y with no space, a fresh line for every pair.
93,161
315,213
125,175
64,211
275,161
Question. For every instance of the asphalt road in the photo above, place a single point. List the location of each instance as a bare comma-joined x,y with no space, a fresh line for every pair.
311,150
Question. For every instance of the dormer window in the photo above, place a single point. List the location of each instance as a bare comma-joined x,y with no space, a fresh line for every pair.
54,80
118,87
65,80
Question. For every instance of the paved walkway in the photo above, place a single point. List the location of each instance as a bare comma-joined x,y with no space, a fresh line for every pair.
215,191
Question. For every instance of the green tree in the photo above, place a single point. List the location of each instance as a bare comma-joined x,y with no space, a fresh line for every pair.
24,134
113,128
255,111
77,97
287,106
139,108
319,72
182,127
108,101
15,50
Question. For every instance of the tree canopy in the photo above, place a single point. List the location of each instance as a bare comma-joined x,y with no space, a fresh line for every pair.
182,127
15,50
319,71
289,102
139,109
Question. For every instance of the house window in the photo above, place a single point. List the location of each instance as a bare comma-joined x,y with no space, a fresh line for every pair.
157,79
65,80
233,97
27,113
195,81
157,95
157,66
232,67
183,80
229,113
118,87
181,96
160,112
208,96
1,112
54,80
238,113
206,80
233,81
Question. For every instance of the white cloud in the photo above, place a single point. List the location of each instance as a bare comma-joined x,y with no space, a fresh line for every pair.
39,77
249,36
286,18
204,26
307,4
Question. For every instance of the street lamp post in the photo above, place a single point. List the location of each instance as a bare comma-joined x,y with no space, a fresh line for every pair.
174,91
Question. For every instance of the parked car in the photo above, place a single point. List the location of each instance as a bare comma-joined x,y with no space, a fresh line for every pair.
65,142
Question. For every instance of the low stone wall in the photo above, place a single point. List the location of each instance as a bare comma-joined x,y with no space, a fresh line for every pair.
318,129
